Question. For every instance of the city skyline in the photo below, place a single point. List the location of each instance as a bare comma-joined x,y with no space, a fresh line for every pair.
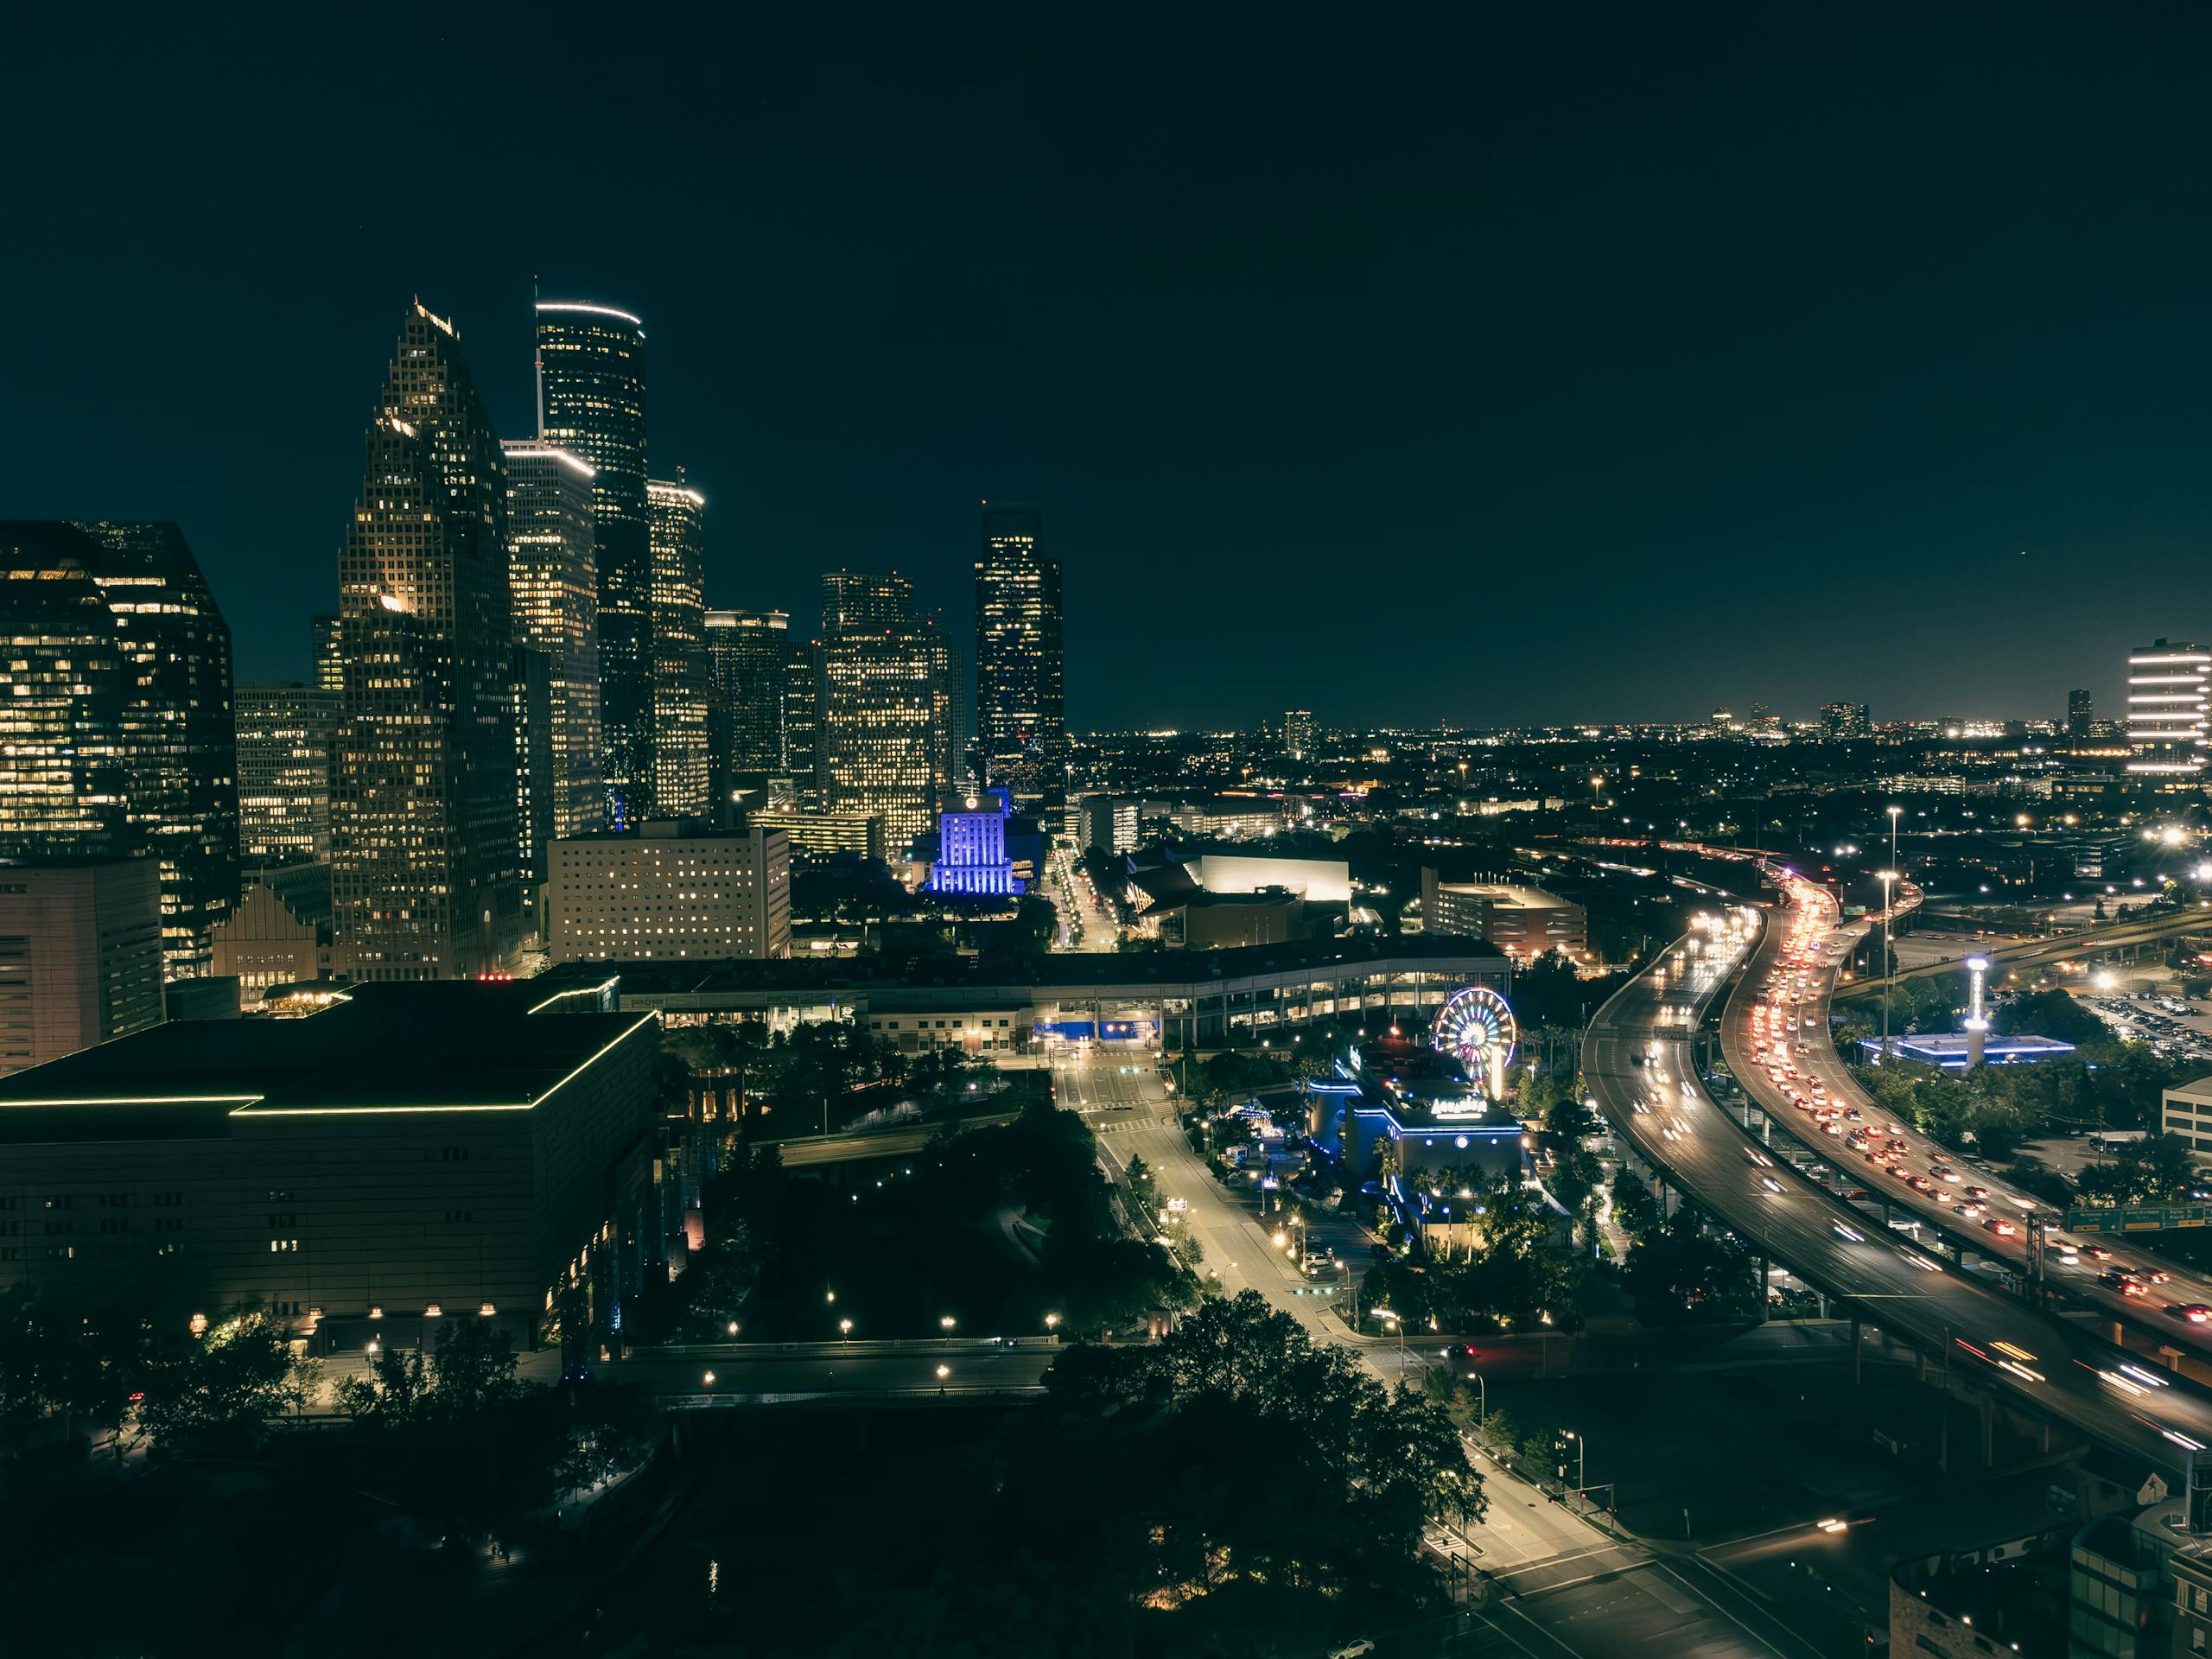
1387,351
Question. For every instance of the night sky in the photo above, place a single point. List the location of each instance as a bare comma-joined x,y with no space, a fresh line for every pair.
1478,364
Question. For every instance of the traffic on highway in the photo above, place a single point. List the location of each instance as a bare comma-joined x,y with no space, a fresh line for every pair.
1637,1062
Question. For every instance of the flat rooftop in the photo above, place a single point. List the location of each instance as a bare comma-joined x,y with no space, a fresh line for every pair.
1949,1048
1502,892
451,1045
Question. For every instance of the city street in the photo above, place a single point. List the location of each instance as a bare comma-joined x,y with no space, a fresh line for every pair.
1568,1588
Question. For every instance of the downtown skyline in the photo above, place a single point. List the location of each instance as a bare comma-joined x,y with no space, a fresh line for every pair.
1365,385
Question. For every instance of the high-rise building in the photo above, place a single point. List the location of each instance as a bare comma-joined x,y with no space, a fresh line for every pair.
2168,682
591,388
63,783
879,743
329,665
747,652
552,576
1842,721
858,601
1021,711
286,731
2080,713
971,858
949,755
802,712
172,743
679,650
80,955
425,879
1297,734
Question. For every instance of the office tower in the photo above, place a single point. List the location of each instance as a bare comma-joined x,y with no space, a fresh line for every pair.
529,688
329,668
1841,722
591,391
63,783
1020,715
858,601
552,576
424,871
671,892
1297,734
679,655
2080,713
2167,682
285,731
879,740
80,955
949,761
171,741
747,653
802,719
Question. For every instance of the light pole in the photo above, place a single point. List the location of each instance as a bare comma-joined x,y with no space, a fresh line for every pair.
1581,1460
943,1372
845,1331
945,1325
1482,1393
1888,879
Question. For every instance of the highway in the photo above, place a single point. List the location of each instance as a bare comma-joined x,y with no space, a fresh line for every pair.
1575,1591
1823,943
1637,1062
2031,953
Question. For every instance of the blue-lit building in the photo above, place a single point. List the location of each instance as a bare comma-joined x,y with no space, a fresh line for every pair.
971,857
1949,1049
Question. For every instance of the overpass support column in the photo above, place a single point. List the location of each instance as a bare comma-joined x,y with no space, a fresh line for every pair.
1764,1271
1919,1366
1858,1354
1988,1430
2171,1355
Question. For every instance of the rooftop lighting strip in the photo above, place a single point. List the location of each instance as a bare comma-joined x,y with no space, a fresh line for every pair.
138,1100
594,310
643,1020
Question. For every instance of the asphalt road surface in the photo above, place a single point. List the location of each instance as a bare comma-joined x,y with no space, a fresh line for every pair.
1637,1063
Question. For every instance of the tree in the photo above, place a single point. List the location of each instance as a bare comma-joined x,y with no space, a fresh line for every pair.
2049,1013
221,1390
1678,1273
1634,1206
2155,1170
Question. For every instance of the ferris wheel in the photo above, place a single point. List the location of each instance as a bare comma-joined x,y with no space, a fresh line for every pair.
1477,1028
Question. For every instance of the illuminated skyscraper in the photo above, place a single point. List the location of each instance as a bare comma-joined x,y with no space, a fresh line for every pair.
592,403
285,735
801,714
859,601
879,744
423,831
552,574
329,669
173,742
2167,687
2081,713
63,783
746,656
1298,733
1020,713
679,651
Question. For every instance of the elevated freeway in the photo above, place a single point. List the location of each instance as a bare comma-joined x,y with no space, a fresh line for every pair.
1804,1086
2035,953
1636,1060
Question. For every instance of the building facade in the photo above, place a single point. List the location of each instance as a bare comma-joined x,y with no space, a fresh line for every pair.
879,741
2168,684
670,892
747,655
280,935
1020,709
971,857
1297,734
424,850
802,712
825,834
80,955
1524,922
553,576
285,735
591,380
679,649
327,643
131,745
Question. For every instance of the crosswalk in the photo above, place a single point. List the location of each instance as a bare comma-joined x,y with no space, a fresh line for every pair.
1130,1125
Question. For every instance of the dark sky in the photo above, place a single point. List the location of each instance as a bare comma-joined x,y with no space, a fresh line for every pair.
1478,364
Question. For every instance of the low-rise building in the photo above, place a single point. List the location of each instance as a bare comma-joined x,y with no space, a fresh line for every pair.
820,834
1524,922
280,934
414,1153
2185,1110
80,955
670,890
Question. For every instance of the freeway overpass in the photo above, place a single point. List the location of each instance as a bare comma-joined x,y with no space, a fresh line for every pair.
1823,943
2035,953
1636,1060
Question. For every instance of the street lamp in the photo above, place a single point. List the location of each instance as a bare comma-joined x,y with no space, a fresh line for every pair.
845,1330
1052,1322
1888,879
1581,1460
945,1325
710,1379
943,1372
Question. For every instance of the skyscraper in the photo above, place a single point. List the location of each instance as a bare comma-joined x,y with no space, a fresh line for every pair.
1020,713
801,714
746,654
424,833
2167,686
173,748
1842,721
552,576
286,731
679,650
2080,711
1298,733
591,380
879,741
329,667
859,601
